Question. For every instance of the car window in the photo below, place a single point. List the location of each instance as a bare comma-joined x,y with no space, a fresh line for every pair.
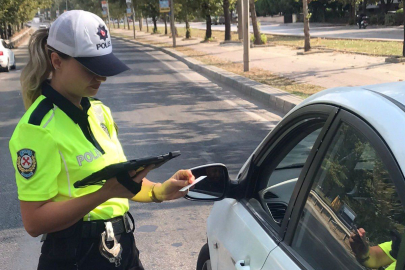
280,172
352,190
4,44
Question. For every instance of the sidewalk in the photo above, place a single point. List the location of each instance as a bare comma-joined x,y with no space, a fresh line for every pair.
325,69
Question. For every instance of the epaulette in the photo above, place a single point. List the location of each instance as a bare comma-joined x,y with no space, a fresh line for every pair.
40,111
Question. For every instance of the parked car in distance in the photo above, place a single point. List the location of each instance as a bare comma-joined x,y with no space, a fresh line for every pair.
217,20
333,164
43,26
214,20
7,58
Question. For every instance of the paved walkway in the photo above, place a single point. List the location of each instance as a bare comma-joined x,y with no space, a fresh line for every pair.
324,69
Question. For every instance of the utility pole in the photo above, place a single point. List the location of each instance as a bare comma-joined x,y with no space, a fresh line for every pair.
240,23
133,20
108,15
246,39
172,22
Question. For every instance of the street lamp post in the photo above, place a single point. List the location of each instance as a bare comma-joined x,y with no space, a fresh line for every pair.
172,22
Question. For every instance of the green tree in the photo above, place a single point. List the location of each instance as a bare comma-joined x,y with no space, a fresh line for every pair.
207,9
14,13
149,9
187,10
256,30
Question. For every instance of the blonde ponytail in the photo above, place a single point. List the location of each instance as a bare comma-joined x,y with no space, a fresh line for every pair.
38,68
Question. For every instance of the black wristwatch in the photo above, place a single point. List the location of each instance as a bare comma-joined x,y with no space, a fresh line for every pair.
363,259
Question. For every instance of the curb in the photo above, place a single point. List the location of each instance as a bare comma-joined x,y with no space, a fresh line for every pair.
270,96
395,59
15,40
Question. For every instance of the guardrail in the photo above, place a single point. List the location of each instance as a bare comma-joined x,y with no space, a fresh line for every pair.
333,218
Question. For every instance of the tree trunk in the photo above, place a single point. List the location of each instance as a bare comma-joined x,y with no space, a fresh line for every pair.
227,20
113,24
127,22
208,31
353,12
140,23
307,46
118,23
256,30
240,26
403,46
364,6
188,30
154,19
147,25
385,6
165,20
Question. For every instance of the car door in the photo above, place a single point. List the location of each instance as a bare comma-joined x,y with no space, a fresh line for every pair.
242,232
11,55
354,182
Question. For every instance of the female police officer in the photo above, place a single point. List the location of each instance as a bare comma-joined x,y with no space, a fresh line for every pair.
64,136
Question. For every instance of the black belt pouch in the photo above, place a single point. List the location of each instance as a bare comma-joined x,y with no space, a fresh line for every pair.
63,245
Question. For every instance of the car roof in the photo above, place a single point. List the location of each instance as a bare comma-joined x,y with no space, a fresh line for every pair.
381,105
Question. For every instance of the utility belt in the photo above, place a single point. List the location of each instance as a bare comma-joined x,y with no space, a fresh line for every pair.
64,245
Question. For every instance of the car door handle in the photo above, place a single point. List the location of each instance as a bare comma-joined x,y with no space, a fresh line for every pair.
240,265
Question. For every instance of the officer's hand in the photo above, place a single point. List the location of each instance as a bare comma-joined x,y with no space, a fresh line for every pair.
359,244
169,190
114,189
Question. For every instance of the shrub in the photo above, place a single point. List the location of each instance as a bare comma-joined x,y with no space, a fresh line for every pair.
373,19
377,19
394,18
389,19
252,38
264,38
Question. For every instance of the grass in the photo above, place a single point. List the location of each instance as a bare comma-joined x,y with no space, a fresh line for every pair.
368,47
263,76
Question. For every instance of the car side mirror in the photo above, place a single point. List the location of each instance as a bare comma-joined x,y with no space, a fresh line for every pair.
214,183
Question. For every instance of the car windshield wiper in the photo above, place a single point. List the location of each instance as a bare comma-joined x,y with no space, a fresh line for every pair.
291,166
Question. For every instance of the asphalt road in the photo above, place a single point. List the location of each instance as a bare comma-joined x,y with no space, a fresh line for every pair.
395,33
160,105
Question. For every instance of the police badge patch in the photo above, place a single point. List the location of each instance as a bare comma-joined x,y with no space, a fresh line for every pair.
26,163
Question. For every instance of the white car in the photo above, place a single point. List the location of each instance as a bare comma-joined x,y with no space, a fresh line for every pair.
7,58
333,165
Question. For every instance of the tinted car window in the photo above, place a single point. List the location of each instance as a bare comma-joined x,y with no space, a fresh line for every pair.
352,189
277,181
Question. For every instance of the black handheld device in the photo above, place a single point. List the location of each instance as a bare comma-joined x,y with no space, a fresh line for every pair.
99,177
